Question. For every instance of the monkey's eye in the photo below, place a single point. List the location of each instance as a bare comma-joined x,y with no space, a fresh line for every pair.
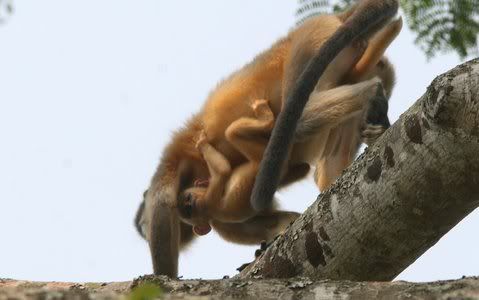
187,206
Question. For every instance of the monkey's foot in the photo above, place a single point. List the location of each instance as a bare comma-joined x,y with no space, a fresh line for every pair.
371,133
243,266
263,247
262,110
361,45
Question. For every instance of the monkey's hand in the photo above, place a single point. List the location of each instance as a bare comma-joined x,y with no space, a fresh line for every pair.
201,182
262,111
202,141
377,120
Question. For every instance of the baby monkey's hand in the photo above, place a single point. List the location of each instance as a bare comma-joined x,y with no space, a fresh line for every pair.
202,141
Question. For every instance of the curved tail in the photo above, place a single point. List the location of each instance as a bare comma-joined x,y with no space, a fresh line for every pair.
364,19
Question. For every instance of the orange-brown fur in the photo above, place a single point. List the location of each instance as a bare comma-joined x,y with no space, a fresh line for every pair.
269,76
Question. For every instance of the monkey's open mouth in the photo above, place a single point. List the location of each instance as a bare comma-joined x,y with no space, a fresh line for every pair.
201,230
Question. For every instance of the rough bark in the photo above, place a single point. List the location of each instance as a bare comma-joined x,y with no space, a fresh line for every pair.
397,200
295,288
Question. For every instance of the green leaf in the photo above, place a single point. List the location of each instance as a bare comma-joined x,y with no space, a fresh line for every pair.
146,291
440,25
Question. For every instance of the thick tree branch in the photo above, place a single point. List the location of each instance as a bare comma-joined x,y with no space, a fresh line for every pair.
294,288
397,200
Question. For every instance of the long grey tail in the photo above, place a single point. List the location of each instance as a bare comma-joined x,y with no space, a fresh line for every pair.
363,20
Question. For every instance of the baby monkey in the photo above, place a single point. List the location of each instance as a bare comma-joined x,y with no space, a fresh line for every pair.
219,201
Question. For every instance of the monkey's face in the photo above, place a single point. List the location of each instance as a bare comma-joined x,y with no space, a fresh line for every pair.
192,209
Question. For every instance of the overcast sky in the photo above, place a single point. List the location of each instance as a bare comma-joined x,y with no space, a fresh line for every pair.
89,93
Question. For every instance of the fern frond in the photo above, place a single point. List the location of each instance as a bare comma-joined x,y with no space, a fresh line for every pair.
444,25
310,8
441,25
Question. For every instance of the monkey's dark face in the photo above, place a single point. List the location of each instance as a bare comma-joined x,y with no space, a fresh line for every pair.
192,210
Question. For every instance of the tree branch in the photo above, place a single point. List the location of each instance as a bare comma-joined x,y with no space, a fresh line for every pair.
294,288
397,200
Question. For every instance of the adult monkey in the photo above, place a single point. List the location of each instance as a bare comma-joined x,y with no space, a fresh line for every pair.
360,22
182,164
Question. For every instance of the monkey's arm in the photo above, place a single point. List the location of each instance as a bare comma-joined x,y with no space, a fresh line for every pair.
375,50
219,168
332,108
264,227
248,136
294,173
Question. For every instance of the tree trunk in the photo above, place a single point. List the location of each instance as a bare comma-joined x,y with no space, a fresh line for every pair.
295,288
397,200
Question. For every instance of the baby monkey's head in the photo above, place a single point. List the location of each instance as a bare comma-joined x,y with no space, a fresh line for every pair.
192,209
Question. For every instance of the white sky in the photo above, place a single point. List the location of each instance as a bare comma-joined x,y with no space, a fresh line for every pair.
90,91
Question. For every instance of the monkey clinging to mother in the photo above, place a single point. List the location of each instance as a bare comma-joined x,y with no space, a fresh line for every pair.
307,102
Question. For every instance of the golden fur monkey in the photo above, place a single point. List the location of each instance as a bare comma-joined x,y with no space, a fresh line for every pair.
228,200
272,76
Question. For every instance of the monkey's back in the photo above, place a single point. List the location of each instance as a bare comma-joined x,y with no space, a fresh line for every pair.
263,78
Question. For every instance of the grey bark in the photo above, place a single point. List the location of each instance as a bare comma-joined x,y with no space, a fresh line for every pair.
397,200
294,288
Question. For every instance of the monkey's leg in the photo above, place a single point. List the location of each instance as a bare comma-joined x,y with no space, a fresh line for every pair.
375,50
249,135
220,170
304,49
330,166
330,108
264,227
338,157
235,205
218,164
340,109
294,173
